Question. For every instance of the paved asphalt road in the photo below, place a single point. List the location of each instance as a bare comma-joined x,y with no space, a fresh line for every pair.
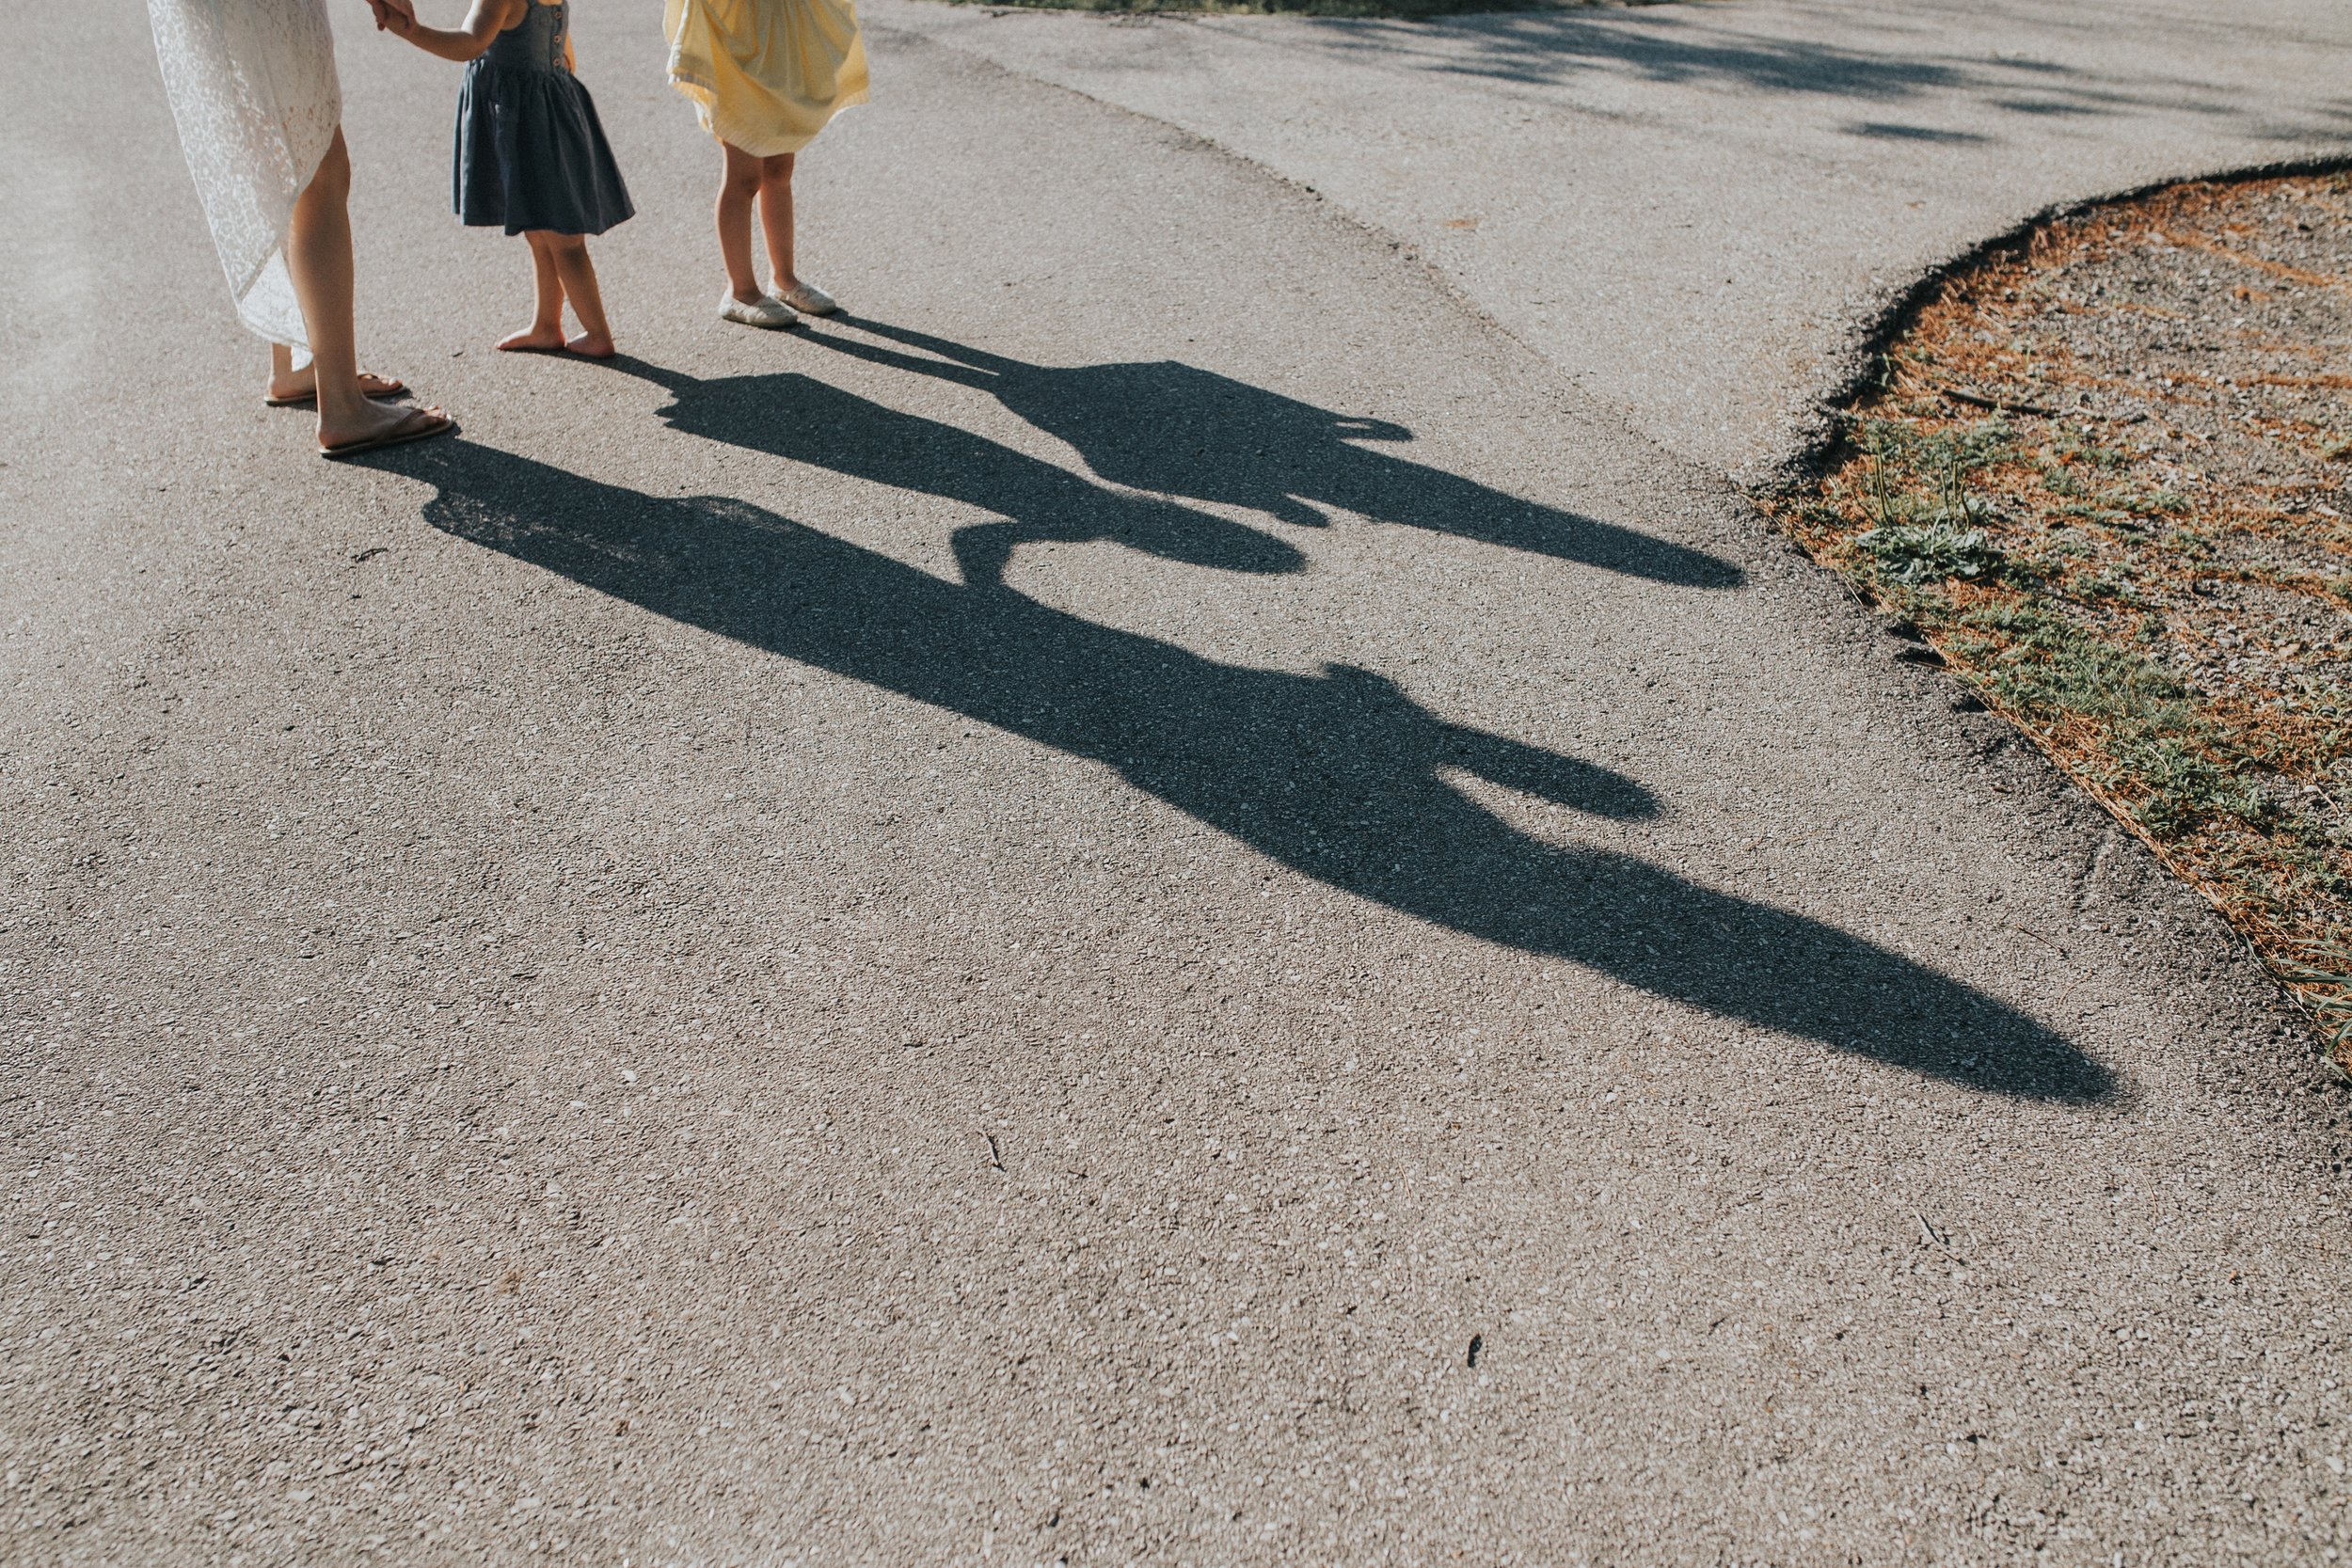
1160,902
1697,210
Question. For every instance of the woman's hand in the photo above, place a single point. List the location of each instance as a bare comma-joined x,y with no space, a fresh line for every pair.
482,26
397,16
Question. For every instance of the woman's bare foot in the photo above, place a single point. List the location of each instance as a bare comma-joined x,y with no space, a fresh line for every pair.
534,340
303,385
376,423
592,346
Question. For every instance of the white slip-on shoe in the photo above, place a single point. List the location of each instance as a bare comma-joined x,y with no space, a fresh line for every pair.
809,299
767,310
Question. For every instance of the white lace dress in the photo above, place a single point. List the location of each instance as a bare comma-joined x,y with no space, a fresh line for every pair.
252,86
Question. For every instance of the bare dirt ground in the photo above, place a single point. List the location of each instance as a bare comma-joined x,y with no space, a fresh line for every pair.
2105,476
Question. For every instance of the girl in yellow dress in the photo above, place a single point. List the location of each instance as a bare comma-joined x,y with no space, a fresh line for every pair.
766,76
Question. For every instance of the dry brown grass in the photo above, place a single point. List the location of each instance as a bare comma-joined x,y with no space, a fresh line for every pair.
2105,475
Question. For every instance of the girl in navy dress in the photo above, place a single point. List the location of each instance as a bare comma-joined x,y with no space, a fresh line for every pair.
532,157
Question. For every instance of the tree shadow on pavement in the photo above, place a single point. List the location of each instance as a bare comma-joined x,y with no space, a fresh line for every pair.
1888,63
1164,427
1681,46
1338,775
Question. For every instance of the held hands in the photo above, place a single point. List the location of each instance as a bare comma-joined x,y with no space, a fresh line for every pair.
485,21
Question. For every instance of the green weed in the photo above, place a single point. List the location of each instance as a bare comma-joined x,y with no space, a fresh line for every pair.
1928,552
2159,747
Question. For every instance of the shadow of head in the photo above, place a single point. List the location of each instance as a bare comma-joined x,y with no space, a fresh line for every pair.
1338,774
1174,429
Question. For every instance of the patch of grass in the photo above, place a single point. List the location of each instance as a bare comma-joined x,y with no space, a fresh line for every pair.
1912,553
2122,524
2321,975
2156,754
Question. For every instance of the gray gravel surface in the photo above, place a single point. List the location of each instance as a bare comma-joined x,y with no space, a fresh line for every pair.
1160,902
1697,210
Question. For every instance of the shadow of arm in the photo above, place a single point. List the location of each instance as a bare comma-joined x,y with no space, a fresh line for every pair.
1548,776
944,370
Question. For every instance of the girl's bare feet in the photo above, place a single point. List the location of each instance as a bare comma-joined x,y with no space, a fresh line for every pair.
592,346
303,385
374,423
535,339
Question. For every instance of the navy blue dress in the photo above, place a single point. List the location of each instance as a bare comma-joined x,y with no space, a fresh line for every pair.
531,152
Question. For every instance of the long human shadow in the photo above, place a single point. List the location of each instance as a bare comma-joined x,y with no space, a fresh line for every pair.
1338,775
1168,428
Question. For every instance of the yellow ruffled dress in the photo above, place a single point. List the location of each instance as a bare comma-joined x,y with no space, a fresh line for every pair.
765,75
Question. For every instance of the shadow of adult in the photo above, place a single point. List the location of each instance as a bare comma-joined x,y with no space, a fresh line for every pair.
1174,429
1338,775
804,421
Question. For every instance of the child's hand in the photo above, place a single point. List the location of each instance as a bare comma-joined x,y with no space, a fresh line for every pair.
484,23
397,16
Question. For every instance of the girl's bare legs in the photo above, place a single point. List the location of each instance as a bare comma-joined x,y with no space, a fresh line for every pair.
318,255
776,220
738,185
577,276
545,331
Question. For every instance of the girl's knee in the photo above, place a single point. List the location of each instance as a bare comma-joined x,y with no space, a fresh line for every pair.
777,170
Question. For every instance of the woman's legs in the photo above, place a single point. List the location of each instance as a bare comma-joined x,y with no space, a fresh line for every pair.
545,330
290,385
739,185
776,220
577,277
318,256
